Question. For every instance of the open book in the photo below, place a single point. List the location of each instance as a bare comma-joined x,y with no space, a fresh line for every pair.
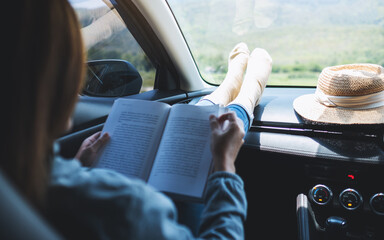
166,146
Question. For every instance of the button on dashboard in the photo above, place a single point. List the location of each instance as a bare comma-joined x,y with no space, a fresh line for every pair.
320,194
350,199
377,203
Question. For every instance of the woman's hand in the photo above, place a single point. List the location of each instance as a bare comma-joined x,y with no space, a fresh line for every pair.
226,140
91,148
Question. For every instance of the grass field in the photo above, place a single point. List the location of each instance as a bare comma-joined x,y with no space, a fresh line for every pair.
299,52
303,37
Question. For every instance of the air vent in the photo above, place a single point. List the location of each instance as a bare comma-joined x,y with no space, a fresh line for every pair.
365,132
382,140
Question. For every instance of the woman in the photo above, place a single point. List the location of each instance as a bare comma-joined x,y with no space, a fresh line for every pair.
97,203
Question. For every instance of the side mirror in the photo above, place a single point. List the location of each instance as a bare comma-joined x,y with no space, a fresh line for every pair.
111,78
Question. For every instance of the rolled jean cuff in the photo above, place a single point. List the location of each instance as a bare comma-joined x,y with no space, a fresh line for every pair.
243,114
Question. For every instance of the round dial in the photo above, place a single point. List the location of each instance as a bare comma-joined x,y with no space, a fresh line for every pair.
350,199
377,203
320,194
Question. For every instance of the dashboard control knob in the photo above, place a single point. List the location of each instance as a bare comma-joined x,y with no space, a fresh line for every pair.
350,199
377,203
320,194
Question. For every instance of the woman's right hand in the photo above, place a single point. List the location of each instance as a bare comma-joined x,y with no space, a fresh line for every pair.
226,140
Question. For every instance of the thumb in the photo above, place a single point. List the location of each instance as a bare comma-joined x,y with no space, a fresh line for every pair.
213,122
101,141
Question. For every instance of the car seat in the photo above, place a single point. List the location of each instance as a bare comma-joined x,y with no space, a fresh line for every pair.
17,218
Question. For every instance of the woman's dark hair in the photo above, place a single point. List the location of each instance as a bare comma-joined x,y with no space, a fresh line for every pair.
44,71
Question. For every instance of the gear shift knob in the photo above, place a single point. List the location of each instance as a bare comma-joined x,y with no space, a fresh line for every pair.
335,228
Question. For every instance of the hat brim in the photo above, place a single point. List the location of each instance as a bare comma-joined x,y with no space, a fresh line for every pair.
307,107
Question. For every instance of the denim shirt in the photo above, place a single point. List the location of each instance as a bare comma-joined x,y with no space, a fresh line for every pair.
91,203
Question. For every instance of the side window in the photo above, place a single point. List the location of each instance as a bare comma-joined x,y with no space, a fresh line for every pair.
109,42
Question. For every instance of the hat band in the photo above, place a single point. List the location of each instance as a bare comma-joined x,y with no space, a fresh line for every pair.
351,102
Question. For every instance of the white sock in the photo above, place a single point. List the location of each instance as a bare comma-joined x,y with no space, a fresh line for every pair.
258,71
230,87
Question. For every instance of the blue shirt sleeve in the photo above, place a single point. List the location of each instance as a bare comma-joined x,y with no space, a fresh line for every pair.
225,207
103,204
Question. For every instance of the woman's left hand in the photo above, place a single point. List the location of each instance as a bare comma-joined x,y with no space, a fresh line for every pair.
91,148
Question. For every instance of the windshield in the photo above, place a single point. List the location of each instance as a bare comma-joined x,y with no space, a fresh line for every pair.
302,36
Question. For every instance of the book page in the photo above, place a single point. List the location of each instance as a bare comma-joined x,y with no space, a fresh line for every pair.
135,127
184,158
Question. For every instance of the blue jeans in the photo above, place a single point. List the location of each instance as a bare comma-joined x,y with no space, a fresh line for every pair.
239,110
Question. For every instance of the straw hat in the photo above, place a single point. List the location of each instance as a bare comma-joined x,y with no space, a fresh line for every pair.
346,94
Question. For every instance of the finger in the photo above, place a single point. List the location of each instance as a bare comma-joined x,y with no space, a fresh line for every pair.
96,135
93,138
100,143
213,123
223,117
230,116
240,123
235,124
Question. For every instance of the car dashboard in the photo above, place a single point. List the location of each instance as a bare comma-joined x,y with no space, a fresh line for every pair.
283,158
338,169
